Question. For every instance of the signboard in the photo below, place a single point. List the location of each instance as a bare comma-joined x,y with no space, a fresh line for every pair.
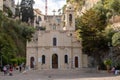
39,60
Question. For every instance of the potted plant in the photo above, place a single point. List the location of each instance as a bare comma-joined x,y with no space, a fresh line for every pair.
108,63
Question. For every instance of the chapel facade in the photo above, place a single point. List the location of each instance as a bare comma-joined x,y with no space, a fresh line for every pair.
54,44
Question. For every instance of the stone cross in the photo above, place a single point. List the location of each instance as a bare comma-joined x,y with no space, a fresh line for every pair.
54,12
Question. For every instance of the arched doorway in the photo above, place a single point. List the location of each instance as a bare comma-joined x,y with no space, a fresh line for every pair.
76,62
32,61
54,61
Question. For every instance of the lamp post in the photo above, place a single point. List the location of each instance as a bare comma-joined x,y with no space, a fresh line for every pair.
110,52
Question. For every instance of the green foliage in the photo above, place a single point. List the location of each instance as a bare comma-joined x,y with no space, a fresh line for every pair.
13,61
17,61
21,60
7,10
116,6
107,62
109,32
92,30
110,8
41,28
116,39
27,10
91,26
13,37
27,32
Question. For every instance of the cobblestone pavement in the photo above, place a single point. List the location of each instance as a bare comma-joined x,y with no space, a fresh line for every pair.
60,75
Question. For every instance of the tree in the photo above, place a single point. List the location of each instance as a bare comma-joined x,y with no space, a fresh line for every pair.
109,32
13,37
27,10
111,6
91,26
115,6
108,63
116,45
116,39
7,11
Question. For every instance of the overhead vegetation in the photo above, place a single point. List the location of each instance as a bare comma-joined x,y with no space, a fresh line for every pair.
116,39
91,25
93,31
26,8
15,33
13,37
7,11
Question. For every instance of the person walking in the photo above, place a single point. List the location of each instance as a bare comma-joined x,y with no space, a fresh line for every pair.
10,71
20,68
5,70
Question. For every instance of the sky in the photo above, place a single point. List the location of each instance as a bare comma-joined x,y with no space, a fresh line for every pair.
52,5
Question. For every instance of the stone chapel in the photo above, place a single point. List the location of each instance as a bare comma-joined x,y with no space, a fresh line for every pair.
54,44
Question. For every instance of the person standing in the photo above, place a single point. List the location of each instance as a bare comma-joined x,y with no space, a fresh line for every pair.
113,70
10,71
20,68
5,70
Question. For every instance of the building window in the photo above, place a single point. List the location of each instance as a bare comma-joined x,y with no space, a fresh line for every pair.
54,26
58,20
70,19
43,59
66,58
39,18
54,41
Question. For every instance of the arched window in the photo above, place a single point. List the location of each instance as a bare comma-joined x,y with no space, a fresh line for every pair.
43,59
32,62
70,17
54,41
39,18
76,62
66,58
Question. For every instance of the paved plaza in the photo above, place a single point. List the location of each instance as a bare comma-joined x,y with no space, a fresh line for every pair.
60,75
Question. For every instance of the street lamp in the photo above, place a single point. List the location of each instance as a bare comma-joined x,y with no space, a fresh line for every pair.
110,52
